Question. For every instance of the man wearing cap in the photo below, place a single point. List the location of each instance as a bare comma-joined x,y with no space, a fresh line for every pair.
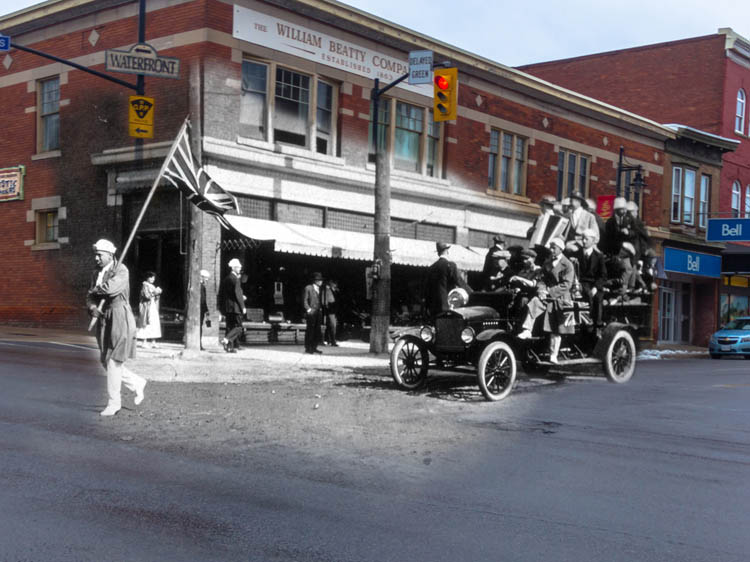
618,228
640,238
442,277
580,218
524,282
108,300
502,273
490,262
232,306
204,304
312,303
592,273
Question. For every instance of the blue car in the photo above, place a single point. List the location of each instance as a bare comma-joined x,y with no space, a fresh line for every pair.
732,340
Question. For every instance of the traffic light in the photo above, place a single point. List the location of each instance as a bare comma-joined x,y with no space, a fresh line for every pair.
445,101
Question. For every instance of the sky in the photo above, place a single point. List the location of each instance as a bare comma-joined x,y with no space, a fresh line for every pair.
514,33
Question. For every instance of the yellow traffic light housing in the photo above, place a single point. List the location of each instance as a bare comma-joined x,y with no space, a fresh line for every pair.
445,87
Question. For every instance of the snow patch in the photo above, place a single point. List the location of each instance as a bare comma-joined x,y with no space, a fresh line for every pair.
648,354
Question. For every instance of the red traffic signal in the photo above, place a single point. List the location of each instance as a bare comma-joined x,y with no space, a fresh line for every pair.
445,94
442,82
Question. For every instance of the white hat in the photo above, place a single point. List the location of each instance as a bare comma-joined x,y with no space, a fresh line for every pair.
628,247
104,246
620,203
591,232
205,273
234,262
559,242
632,206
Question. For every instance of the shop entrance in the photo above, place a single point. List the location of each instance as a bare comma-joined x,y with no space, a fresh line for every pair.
674,312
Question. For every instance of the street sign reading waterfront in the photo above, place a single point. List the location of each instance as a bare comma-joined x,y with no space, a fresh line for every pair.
728,230
142,58
420,67
141,117
4,43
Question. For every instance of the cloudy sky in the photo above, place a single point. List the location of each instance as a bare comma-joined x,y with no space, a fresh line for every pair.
521,32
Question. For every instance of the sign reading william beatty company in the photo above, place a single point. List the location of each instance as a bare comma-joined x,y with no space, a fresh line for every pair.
281,35
11,183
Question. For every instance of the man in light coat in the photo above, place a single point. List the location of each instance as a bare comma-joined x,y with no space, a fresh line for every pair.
108,301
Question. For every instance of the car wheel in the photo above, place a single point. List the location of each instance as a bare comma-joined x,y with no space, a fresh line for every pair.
496,371
409,363
619,361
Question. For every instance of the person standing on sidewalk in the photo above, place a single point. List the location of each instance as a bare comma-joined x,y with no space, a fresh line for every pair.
232,306
149,324
313,313
330,295
204,304
115,331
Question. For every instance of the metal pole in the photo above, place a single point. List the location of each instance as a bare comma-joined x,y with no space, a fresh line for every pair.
618,181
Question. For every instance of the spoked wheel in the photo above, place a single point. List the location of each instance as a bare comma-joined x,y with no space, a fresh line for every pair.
409,363
496,371
619,361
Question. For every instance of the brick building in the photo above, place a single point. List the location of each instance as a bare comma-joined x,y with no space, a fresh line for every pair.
281,91
701,82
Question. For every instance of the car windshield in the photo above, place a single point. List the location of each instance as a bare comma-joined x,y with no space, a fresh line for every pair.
738,324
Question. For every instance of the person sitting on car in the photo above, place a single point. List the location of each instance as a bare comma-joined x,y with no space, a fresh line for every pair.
524,282
499,279
592,273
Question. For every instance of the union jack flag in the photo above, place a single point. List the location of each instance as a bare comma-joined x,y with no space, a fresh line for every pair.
182,171
577,314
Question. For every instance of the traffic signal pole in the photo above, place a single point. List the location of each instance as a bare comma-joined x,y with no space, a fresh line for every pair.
381,287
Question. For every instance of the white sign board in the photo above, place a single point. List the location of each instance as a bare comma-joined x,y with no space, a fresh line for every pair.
281,35
420,67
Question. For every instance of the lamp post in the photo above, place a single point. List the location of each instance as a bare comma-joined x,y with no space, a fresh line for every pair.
637,184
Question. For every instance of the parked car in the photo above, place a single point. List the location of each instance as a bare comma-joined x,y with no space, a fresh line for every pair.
732,340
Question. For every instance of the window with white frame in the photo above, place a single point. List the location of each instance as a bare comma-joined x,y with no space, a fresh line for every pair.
739,117
703,204
413,135
676,194
688,199
507,165
282,105
46,226
48,114
572,173
747,202
736,196
684,195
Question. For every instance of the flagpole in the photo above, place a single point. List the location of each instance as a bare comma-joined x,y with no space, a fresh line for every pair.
185,125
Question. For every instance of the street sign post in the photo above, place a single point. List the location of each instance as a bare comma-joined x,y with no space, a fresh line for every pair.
141,117
728,230
4,43
420,67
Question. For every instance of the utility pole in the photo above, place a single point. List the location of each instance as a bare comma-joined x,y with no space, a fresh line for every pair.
380,319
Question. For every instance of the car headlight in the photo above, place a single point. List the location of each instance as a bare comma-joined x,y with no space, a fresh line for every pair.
458,297
426,333
745,339
467,335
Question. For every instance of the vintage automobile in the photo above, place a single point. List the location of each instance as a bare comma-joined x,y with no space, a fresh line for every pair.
477,333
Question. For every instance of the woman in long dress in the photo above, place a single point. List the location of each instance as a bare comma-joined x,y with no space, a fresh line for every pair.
149,325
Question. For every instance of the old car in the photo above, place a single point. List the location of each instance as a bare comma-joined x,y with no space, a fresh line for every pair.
733,340
477,335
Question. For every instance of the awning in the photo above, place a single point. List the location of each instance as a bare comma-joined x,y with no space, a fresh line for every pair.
329,243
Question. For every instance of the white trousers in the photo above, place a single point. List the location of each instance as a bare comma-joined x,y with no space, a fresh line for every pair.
117,375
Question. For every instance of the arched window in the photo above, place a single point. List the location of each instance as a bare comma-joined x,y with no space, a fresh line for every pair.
739,118
736,196
747,202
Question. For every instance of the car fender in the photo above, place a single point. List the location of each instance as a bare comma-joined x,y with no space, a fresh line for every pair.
608,333
409,331
411,337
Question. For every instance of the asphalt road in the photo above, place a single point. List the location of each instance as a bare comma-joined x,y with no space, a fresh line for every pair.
339,465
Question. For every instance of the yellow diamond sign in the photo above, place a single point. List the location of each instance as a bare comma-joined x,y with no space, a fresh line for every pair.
141,117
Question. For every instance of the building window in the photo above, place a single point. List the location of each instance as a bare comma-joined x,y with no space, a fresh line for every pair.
703,208
285,110
688,200
747,202
736,196
684,195
739,118
572,173
48,111
46,226
507,171
413,134
676,194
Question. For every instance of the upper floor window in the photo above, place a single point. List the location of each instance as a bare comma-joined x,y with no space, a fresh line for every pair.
684,195
46,226
736,196
739,118
48,114
292,108
688,200
676,205
703,205
412,137
747,202
507,168
572,173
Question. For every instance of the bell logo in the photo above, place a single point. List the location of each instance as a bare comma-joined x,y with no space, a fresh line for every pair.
693,263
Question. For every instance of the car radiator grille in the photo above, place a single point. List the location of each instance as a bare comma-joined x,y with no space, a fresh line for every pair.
448,332
727,341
